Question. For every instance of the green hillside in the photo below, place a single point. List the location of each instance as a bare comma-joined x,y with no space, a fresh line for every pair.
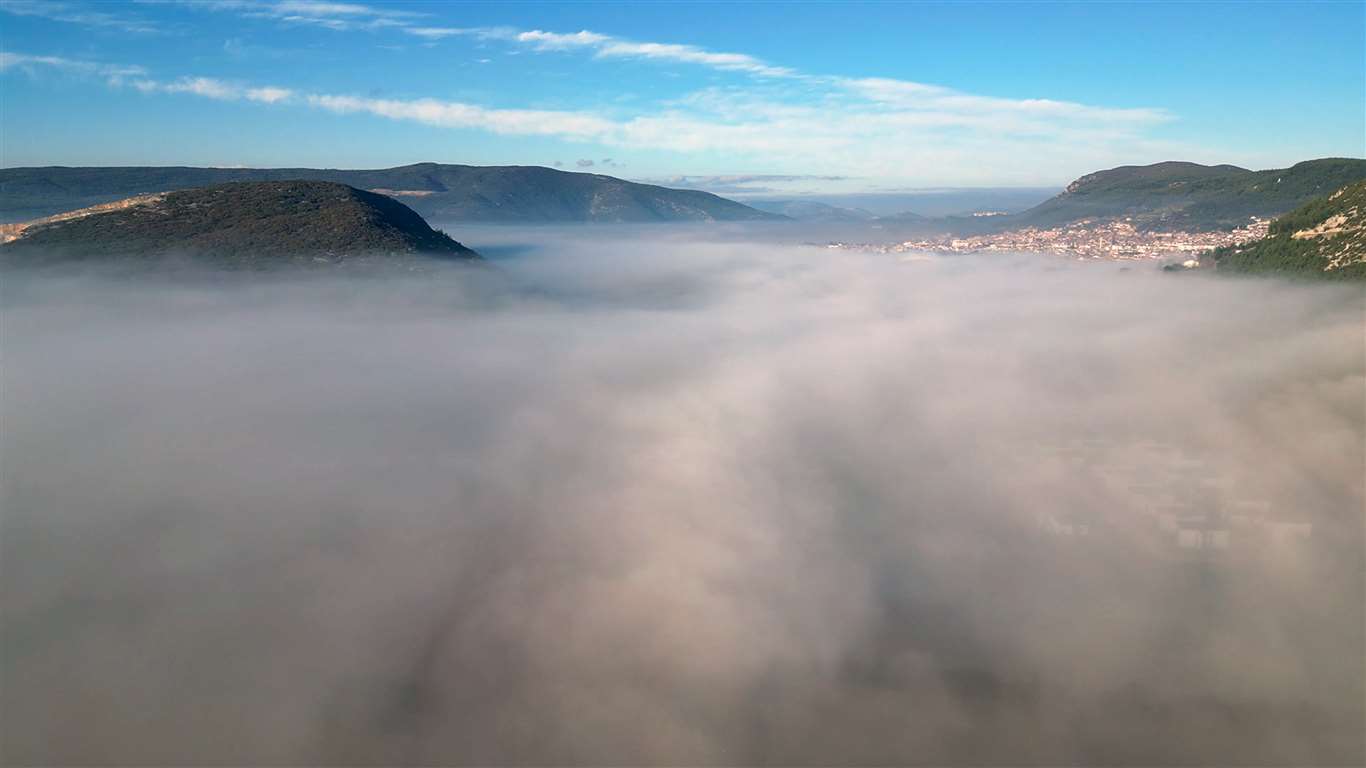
1191,197
244,224
1324,238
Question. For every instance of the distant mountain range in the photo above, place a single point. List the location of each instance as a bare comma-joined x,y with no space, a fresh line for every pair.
1176,196
242,224
456,193
811,210
1323,238
1170,196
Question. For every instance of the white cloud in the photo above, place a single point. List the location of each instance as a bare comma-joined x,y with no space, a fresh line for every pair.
78,14
606,46
114,73
213,88
269,94
797,123
313,8
9,60
823,119
346,16
434,33
692,55
450,114
862,138
934,101
203,86
555,40
330,15
920,96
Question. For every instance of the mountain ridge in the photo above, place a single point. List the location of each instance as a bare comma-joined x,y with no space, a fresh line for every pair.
812,210
1178,195
239,224
495,194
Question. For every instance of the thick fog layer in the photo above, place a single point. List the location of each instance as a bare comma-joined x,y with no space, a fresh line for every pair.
670,501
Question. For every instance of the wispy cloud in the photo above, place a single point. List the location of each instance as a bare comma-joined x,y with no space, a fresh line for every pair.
269,94
79,14
114,73
315,8
212,88
692,55
561,40
862,139
920,96
347,16
135,76
329,15
606,47
887,93
199,86
434,33
866,127
450,114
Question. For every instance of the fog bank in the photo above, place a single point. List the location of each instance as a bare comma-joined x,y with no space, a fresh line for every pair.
685,502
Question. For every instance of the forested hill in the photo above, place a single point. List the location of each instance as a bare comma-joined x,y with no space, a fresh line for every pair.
1191,197
244,224
507,194
1323,238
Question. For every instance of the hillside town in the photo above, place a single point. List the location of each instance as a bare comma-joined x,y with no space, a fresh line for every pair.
1086,239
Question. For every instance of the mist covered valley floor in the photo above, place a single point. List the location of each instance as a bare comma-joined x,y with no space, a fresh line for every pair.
682,496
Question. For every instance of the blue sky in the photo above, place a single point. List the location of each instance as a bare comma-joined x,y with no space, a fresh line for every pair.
812,96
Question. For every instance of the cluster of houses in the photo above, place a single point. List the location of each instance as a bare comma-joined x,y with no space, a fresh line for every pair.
1117,239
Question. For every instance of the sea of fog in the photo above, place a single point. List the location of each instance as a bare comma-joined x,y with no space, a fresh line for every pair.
682,496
